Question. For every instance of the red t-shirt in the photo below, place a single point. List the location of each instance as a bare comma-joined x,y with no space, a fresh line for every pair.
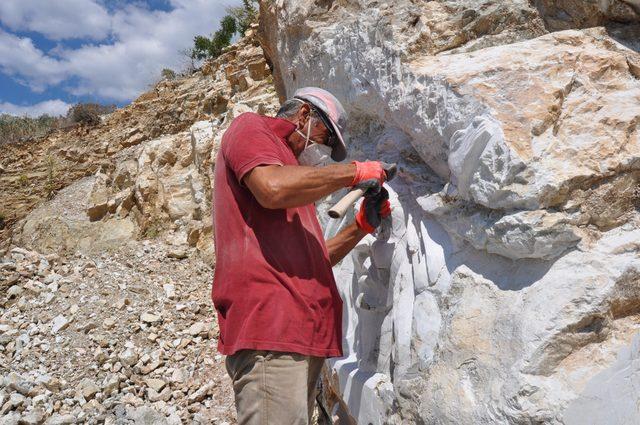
273,286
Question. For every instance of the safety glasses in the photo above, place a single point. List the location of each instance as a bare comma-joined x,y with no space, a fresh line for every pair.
331,138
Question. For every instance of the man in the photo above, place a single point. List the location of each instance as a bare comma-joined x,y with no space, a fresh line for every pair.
279,310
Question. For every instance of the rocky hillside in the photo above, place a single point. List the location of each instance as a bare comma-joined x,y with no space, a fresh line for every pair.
507,290
123,338
105,283
144,170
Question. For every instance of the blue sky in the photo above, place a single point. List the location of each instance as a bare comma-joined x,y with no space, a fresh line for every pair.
54,53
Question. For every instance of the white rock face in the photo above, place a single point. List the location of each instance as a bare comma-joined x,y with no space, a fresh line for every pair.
505,287
606,398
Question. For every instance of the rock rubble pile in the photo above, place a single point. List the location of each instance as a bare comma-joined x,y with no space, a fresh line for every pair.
124,338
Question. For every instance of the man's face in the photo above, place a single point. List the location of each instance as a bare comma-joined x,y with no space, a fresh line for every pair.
318,133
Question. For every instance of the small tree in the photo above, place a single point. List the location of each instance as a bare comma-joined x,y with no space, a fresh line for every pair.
222,37
188,65
238,20
210,48
201,47
244,15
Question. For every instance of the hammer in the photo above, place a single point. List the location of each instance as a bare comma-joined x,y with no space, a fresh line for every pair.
341,207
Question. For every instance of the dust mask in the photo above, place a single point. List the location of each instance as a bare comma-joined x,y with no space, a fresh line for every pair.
306,141
314,154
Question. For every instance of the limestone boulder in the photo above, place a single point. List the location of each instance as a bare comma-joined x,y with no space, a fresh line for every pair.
567,14
64,226
202,136
98,199
562,110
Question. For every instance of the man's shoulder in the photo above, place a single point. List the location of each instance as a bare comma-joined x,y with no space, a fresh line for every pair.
250,133
248,118
245,125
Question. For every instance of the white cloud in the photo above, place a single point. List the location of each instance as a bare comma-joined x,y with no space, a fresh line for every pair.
143,42
57,20
21,59
49,107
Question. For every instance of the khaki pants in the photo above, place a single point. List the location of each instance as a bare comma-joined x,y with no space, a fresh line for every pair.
273,388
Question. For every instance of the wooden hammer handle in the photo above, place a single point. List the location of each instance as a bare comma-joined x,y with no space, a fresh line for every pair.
341,207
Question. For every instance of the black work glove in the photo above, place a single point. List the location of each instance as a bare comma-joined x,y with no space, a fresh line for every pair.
374,208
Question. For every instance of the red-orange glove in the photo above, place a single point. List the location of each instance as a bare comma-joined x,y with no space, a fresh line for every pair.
374,208
369,175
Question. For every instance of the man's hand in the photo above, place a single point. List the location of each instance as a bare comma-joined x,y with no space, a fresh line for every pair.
374,208
377,205
369,175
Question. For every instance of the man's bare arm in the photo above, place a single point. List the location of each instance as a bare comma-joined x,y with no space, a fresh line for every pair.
342,243
288,186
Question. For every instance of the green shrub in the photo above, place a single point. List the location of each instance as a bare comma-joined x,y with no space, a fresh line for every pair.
168,74
15,129
88,113
153,229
